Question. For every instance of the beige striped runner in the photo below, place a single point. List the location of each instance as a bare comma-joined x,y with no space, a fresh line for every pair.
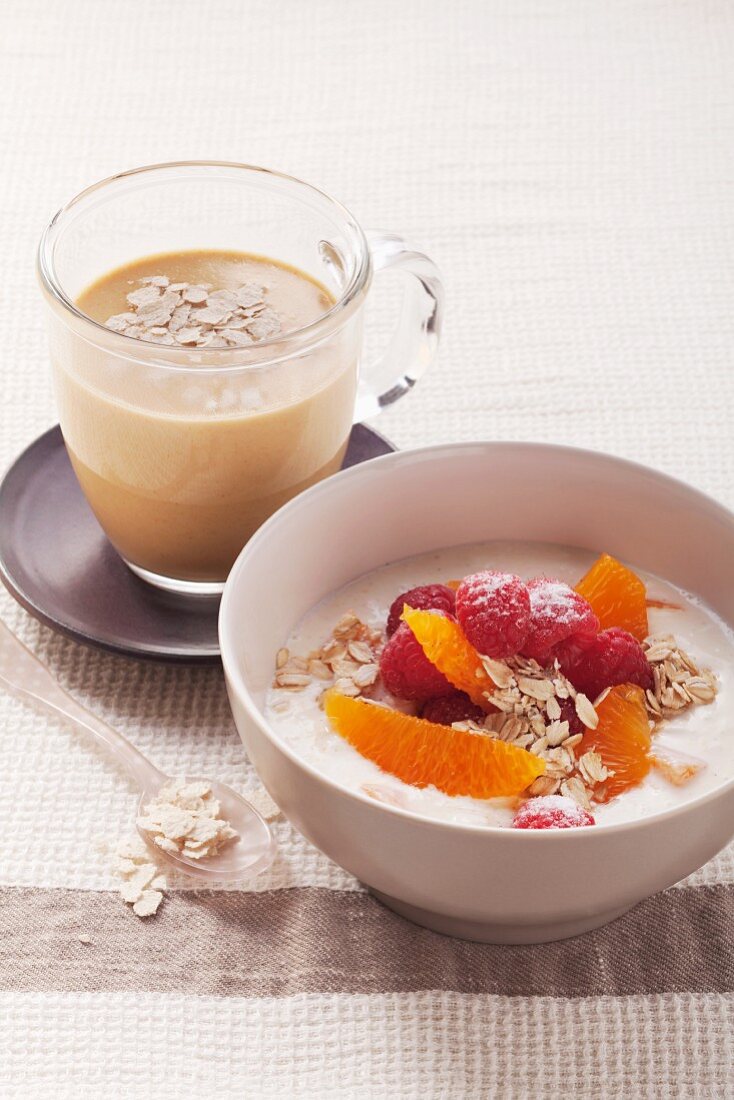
320,941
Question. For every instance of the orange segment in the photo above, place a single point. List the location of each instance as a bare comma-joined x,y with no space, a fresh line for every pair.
423,753
617,595
443,642
622,739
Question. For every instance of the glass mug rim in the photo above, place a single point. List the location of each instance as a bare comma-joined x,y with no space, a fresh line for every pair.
306,336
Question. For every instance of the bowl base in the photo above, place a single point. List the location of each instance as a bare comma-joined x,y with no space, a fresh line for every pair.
485,932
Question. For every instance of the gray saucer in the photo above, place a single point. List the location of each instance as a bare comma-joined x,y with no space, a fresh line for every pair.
56,561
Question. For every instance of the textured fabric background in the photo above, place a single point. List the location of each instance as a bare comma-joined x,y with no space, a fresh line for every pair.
569,164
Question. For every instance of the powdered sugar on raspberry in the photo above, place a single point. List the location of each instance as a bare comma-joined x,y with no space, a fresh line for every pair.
549,596
556,611
492,582
551,811
493,609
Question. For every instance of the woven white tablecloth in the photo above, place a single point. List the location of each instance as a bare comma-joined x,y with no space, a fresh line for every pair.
570,166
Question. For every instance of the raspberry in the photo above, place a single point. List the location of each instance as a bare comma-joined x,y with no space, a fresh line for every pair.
427,597
406,671
556,612
451,708
568,714
494,612
551,811
612,657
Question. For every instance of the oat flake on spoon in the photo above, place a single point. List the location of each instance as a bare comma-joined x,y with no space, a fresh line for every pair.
226,836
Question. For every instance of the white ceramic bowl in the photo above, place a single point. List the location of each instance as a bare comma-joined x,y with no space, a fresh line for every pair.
482,883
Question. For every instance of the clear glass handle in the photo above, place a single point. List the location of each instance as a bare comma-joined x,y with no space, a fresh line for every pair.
415,340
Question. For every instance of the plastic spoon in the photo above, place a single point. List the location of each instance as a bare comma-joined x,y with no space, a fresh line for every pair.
26,677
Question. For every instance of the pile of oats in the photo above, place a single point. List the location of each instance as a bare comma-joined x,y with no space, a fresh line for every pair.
194,315
184,818
143,882
679,683
529,702
348,661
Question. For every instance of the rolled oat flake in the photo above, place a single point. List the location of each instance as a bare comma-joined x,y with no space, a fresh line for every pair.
195,315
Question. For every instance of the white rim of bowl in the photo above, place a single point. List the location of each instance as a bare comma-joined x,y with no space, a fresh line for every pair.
368,469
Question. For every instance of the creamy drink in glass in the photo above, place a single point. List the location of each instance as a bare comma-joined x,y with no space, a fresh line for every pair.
184,449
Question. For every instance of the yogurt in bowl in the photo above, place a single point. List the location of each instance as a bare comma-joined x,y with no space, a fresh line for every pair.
340,641
460,873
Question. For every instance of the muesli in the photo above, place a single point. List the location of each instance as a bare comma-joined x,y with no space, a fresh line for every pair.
536,702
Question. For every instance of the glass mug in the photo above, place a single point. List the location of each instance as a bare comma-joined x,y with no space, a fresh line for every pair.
182,452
